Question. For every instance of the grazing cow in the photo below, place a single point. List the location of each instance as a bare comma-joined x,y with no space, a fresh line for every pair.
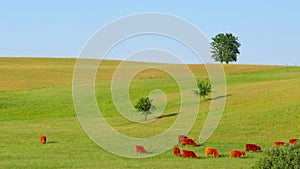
237,153
181,137
184,141
176,151
252,147
278,143
43,139
293,141
188,141
190,154
212,151
140,149
191,142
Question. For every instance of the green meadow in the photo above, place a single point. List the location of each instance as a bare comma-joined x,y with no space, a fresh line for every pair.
262,106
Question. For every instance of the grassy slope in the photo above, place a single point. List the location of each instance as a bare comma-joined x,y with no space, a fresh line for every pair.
263,105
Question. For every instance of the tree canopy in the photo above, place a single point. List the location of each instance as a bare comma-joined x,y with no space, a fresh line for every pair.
225,47
144,105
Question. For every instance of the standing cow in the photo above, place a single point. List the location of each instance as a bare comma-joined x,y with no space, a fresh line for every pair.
237,153
252,147
212,151
293,141
43,139
140,149
189,154
188,141
181,137
176,151
278,143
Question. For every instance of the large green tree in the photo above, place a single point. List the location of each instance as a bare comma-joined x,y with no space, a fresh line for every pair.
225,47
144,105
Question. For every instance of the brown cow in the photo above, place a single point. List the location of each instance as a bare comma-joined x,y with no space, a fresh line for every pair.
181,137
237,153
252,147
212,151
190,154
43,139
176,151
293,141
140,149
188,141
278,143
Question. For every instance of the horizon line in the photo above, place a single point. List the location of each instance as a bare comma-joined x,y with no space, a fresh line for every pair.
116,59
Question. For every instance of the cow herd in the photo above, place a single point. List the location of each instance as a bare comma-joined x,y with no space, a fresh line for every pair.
183,141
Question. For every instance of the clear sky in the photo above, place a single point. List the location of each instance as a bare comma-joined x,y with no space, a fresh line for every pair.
267,29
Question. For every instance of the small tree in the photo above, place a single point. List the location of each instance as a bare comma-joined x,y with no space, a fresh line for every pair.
144,105
225,47
204,87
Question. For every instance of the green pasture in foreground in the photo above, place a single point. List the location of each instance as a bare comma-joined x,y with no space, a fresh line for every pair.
263,106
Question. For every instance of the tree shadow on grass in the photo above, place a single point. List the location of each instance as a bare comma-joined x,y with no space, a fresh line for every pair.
215,98
219,97
166,115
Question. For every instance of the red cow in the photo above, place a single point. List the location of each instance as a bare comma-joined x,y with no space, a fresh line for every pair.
278,143
293,141
237,153
184,141
252,147
212,151
190,154
43,139
176,151
192,142
181,137
188,141
140,149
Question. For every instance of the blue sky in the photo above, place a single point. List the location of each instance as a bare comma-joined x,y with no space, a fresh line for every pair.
267,30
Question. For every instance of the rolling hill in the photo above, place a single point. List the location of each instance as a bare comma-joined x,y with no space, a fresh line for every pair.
263,106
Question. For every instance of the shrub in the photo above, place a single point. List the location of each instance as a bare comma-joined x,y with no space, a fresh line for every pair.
283,157
204,88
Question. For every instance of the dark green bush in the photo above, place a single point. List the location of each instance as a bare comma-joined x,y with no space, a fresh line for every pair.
284,157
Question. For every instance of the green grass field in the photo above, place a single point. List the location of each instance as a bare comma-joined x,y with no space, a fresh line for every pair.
263,106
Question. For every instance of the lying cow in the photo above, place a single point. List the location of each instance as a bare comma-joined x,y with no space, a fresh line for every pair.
188,141
176,151
278,143
252,147
293,141
140,149
211,151
237,153
43,139
189,154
